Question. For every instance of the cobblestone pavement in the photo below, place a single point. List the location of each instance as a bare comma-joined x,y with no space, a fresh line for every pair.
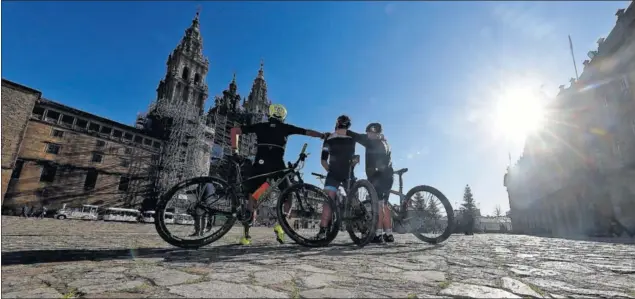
65,258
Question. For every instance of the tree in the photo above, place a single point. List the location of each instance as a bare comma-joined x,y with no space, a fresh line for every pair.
419,202
468,208
497,211
433,209
508,214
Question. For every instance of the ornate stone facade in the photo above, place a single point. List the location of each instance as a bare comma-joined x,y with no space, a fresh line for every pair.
577,176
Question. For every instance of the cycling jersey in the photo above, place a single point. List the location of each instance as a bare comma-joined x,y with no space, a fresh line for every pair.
377,153
271,138
339,151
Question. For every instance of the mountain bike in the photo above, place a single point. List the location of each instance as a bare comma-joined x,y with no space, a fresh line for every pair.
410,219
208,190
355,215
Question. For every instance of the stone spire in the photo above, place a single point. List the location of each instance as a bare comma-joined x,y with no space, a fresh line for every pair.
257,101
192,41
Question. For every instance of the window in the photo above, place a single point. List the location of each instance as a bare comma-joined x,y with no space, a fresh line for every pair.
97,157
186,73
93,127
127,136
91,179
100,143
38,112
124,183
157,144
48,173
57,133
52,148
81,124
147,142
52,116
17,169
117,133
124,163
67,120
106,130
138,139
197,78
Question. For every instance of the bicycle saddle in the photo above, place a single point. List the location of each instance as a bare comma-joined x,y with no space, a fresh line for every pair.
401,171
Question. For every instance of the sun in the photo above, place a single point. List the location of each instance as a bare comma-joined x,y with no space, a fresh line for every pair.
518,112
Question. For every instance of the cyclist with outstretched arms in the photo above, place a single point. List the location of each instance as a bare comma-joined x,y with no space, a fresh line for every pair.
337,154
271,141
380,173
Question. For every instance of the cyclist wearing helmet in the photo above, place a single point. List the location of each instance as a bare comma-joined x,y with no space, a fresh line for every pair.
271,138
380,173
337,155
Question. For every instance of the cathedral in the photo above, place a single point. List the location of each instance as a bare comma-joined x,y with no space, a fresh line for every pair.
197,142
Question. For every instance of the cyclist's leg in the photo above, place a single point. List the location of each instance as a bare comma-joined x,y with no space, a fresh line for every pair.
384,192
250,187
331,184
277,229
376,180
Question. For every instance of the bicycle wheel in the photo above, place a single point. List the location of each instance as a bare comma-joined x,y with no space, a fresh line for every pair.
433,217
363,214
303,201
199,208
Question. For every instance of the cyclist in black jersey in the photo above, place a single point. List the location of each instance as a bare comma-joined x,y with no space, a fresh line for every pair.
380,173
337,155
271,138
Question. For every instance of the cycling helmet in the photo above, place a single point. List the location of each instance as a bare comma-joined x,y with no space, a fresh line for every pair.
374,128
277,111
343,122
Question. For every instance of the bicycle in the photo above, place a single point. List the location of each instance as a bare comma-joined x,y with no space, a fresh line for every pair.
231,189
402,218
354,216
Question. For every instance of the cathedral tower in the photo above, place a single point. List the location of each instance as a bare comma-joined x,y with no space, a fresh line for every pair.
177,114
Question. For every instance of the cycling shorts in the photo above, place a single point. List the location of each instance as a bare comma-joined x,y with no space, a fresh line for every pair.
382,181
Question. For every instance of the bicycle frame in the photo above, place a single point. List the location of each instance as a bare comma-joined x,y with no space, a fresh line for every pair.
290,172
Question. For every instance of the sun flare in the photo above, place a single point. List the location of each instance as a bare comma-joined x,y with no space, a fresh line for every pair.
518,113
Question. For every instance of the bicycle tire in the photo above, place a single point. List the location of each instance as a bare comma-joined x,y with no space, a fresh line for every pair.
372,225
448,210
287,228
161,227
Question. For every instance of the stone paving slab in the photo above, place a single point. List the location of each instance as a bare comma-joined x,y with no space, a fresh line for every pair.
51,258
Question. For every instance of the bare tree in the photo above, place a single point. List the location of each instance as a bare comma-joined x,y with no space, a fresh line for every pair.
497,211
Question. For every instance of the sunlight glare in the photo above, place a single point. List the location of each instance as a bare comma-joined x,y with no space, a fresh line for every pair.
518,113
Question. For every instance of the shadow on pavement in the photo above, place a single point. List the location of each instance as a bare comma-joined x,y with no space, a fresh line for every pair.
232,253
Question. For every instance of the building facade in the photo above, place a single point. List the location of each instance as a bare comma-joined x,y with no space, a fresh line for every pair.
176,115
68,156
577,176
17,103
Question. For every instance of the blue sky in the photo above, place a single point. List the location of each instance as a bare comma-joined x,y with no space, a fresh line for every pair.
426,70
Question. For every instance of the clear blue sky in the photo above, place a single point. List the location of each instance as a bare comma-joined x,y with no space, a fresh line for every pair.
425,70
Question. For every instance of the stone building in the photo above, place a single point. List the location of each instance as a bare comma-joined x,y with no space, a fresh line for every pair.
68,156
17,103
577,176
177,114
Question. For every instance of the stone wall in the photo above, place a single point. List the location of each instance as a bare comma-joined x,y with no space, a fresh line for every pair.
81,154
17,103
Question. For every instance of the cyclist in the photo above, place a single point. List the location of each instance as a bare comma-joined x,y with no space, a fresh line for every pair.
337,155
380,173
271,138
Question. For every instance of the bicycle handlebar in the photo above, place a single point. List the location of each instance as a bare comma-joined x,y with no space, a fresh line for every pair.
318,175
302,156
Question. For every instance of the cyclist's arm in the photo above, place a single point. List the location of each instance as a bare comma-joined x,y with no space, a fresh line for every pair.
293,130
234,132
325,156
359,138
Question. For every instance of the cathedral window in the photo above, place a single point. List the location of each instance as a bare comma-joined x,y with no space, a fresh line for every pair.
197,78
186,73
